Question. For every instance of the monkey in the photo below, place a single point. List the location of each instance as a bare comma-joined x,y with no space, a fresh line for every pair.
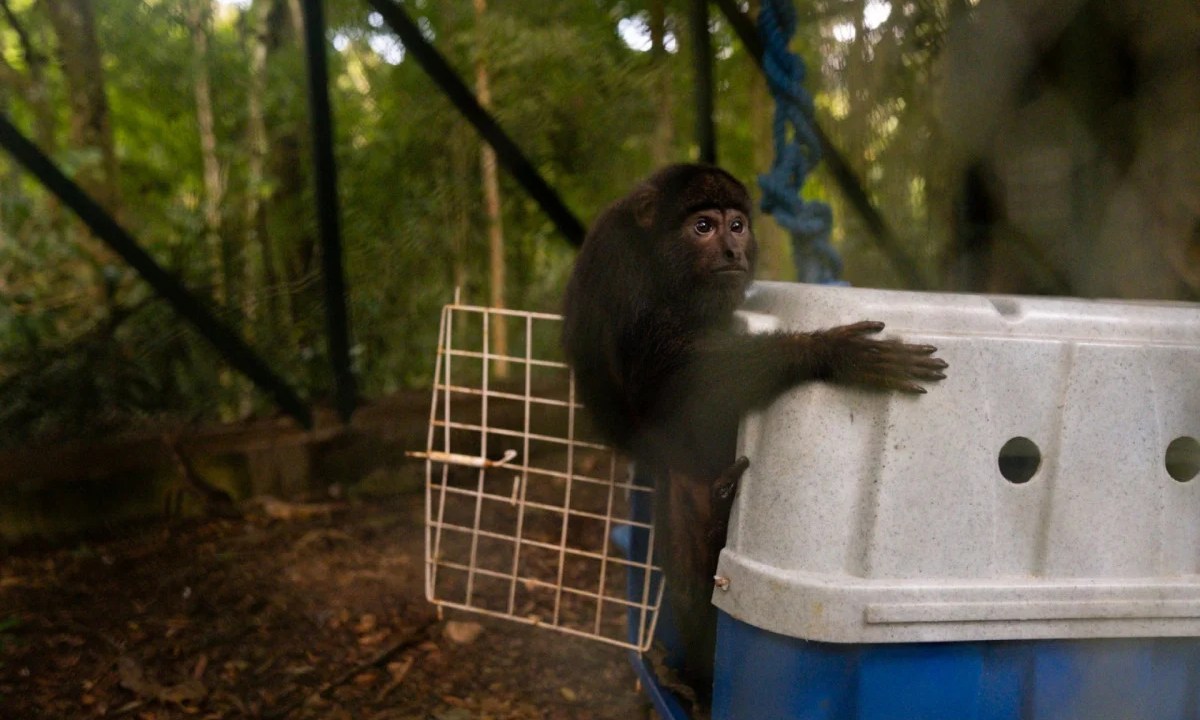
649,335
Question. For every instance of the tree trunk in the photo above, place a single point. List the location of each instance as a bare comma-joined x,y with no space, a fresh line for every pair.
12,79
460,222
9,180
258,254
82,67
199,18
856,128
290,204
296,14
32,88
220,251
491,197
664,118
74,23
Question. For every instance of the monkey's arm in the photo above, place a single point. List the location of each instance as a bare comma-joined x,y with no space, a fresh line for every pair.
739,372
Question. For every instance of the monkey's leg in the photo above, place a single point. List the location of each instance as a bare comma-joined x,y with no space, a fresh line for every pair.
700,518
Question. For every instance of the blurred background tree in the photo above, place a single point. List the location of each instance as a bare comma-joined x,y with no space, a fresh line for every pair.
1012,145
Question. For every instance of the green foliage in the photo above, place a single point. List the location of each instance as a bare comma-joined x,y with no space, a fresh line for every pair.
10,623
8,627
85,347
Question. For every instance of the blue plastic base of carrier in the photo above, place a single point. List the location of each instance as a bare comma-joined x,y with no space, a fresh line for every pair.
764,676
634,543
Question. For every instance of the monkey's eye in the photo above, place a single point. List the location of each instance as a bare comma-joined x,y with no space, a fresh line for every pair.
737,226
704,226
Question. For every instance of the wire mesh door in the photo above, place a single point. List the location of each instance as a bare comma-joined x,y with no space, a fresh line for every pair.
527,514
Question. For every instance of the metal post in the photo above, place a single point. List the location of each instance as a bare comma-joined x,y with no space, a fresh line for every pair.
702,73
507,152
325,171
227,342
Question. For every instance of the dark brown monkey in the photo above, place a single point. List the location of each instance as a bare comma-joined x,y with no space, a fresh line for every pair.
648,332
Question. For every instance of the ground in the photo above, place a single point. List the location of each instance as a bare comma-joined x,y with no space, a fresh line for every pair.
308,614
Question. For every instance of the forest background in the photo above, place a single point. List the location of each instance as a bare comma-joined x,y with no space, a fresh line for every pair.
187,120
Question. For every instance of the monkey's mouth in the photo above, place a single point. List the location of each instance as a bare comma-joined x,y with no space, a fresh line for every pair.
730,270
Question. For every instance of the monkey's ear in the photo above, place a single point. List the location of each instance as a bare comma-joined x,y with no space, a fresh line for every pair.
643,203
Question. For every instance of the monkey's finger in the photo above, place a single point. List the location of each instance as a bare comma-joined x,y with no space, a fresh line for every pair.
913,355
905,386
892,382
727,482
911,387
928,362
737,468
905,367
917,350
901,357
918,369
864,327
724,490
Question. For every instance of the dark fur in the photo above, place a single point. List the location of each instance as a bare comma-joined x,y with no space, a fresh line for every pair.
648,333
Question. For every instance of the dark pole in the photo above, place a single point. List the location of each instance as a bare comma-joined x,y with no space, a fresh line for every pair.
507,152
325,171
838,166
743,25
702,69
228,343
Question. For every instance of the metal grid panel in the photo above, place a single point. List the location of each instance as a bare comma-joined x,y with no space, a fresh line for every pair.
521,500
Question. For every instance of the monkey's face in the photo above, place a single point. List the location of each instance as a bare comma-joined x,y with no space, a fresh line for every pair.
722,248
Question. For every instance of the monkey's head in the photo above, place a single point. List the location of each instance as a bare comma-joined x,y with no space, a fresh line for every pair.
696,219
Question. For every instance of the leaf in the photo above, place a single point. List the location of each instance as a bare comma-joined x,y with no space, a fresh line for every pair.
462,633
366,623
133,678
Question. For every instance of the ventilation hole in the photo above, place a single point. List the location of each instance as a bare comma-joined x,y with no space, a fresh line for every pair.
1183,458
1019,460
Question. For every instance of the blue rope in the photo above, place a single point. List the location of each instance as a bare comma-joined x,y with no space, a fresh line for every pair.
810,221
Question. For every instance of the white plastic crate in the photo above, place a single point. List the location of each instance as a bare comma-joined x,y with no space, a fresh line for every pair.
871,517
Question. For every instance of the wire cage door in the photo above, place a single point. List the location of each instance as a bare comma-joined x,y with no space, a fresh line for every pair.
527,515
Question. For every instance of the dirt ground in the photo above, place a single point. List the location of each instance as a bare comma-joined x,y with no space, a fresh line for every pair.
312,615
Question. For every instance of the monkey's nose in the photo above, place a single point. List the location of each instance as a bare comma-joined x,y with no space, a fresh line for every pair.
732,255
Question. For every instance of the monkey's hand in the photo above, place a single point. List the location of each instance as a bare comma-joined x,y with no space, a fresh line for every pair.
849,355
724,489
